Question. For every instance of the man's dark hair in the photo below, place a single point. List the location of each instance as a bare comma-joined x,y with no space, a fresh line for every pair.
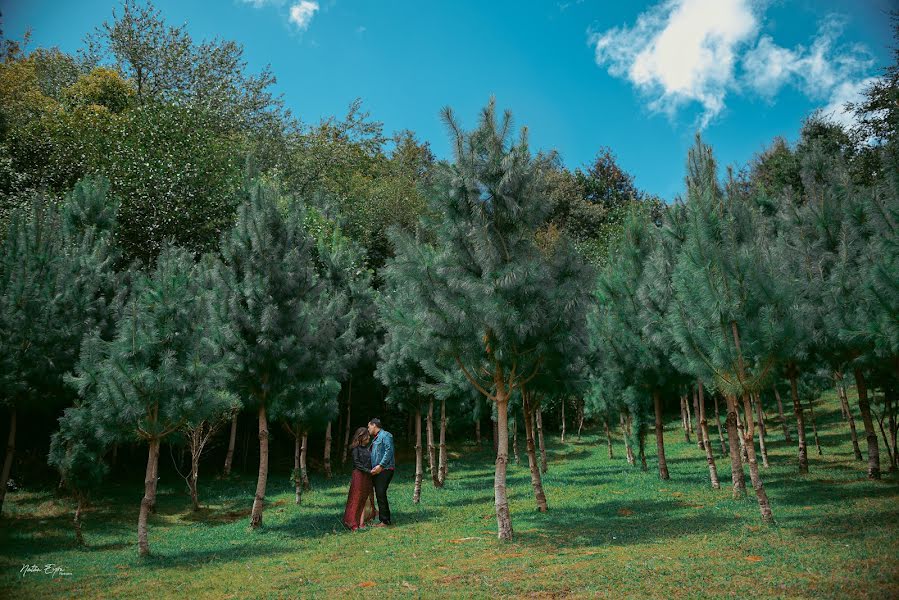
376,422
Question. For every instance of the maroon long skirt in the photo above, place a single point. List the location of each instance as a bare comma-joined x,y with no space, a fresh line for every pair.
361,493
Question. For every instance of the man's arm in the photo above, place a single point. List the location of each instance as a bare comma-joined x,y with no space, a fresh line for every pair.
388,452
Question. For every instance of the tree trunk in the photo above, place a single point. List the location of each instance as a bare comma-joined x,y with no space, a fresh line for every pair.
605,425
689,416
495,436
79,537
718,423
432,449
149,498
229,457
626,428
297,470
703,432
515,441
419,467
683,418
890,408
503,518
800,422
736,463
303,470
760,494
580,420
870,434
660,435
477,433
811,414
563,420
194,476
761,420
741,433
328,451
783,419
760,411
256,515
543,464
349,422
10,452
536,480
844,402
698,428
441,463
642,441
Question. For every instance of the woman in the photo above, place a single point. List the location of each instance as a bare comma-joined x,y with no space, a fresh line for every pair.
360,502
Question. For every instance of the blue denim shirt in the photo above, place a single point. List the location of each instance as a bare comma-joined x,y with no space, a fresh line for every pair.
382,450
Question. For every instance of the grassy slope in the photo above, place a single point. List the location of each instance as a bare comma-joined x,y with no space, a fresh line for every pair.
611,531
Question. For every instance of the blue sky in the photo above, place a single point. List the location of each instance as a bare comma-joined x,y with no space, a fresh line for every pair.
638,76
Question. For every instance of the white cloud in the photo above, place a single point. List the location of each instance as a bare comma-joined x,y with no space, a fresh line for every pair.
680,51
849,91
301,13
683,52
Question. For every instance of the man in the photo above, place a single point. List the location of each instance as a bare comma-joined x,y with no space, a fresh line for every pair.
383,467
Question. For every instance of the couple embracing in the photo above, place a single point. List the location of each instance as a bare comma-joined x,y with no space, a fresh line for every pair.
373,467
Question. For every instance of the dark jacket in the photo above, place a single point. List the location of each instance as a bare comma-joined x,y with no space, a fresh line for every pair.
362,459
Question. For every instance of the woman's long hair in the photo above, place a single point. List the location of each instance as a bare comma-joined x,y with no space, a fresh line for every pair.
360,438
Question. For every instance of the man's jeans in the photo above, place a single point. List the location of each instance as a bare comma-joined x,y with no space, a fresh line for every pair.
381,481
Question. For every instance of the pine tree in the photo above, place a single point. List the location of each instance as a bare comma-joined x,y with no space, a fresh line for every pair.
284,328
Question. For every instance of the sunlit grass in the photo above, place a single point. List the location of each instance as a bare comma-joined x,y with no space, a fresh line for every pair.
611,531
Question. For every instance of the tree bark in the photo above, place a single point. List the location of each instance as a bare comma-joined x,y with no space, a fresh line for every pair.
683,418
626,428
811,414
741,433
441,463
419,467
844,402
515,441
543,464
660,435
718,423
149,498
890,408
642,442
349,422
229,457
605,425
328,451
495,436
303,470
689,416
580,419
536,479
761,420
563,420
704,433
870,434
698,428
738,478
503,518
477,433
79,537
10,452
297,470
760,494
800,422
432,449
783,419
259,499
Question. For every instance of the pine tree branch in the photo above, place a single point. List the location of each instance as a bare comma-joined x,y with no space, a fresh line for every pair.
472,379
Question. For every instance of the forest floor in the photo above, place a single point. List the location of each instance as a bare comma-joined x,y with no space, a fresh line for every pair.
611,531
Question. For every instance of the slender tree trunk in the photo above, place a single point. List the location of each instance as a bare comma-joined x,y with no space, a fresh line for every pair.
297,469
149,498
760,411
703,432
328,451
349,422
870,434
544,466
761,420
503,518
642,442
760,494
736,463
718,423
626,428
741,432
515,441
844,402
10,452
811,414
194,476
890,408
660,435
580,420
689,416
441,464
800,422
477,433
536,480
79,537
605,425
229,457
563,420
883,433
419,467
432,449
698,428
783,419
259,499
303,470
683,418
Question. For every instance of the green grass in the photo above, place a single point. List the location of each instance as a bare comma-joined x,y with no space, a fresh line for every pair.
611,531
